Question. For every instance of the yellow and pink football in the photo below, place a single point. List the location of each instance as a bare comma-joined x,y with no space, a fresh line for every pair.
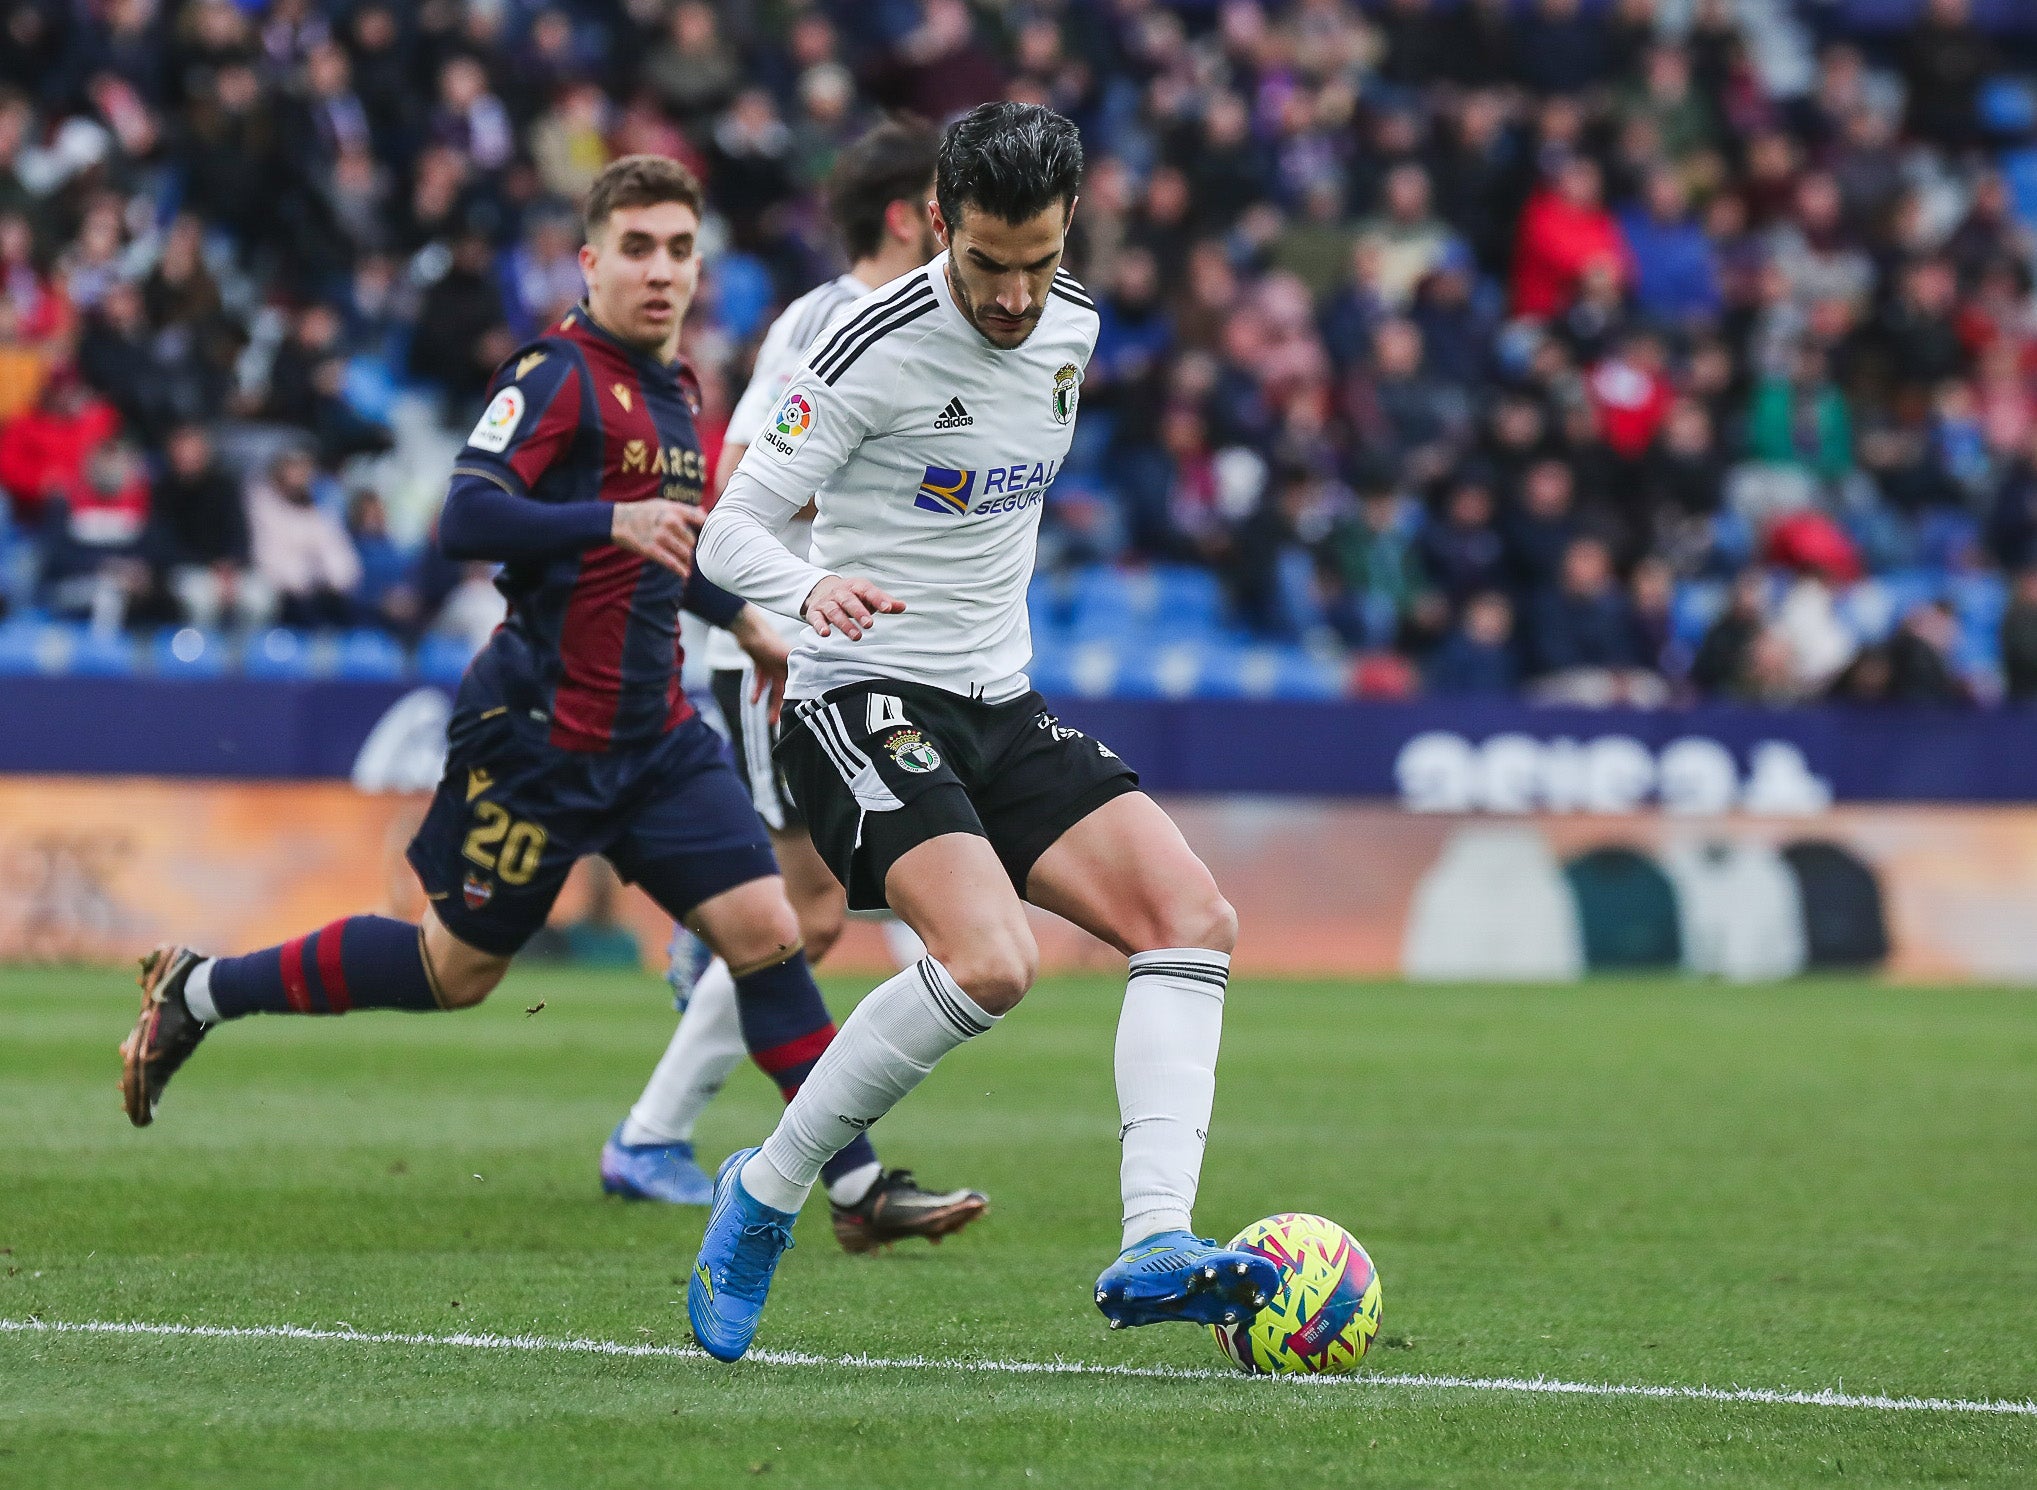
1327,1310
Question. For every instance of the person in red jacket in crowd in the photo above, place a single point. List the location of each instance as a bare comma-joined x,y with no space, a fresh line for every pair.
1565,230
1632,393
43,452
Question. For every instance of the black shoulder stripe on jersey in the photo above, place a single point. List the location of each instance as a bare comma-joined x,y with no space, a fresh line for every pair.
869,313
1073,299
1070,283
875,334
839,355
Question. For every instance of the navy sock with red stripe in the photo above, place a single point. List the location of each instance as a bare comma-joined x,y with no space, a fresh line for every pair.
363,962
787,1026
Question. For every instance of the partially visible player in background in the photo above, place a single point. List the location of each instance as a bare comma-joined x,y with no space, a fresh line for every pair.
571,734
878,197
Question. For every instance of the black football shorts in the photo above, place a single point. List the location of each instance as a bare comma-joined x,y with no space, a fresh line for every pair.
880,767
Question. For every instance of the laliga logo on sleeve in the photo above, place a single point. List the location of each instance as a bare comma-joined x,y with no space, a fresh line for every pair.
498,422
789,425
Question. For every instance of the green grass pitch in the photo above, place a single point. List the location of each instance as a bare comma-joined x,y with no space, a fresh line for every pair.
1830,1185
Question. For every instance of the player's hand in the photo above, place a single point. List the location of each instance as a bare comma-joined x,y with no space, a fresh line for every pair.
847,605
768,655
661,531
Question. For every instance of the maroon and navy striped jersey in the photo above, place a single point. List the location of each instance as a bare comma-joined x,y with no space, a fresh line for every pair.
591,645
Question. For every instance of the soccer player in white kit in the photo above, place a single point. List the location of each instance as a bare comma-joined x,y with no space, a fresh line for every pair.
927,424
877,196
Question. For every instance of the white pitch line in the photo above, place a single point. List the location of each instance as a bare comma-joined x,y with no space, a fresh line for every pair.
568,1346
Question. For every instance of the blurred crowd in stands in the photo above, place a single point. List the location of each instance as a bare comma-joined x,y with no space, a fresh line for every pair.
1603,351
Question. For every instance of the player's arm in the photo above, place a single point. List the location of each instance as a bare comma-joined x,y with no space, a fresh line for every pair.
531,423
815,428
741,548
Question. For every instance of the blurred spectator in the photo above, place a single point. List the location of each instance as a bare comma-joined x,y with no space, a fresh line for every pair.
568,141
388,592
692,70
1722,664
2019,639
1912,667
1478,657
1945,58
301,551
1374,570
23,365
1585,620
1463,553
473,608
1676,273
1802,420
1408,237
1564,233
94,561
43,451
199,537
306,389
462,334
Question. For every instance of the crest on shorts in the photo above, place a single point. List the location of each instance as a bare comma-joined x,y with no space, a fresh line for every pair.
1066,382
476,891
913,752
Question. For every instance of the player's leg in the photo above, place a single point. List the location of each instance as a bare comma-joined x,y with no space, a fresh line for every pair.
699,851
650,1156
1125,874
906,827
490,871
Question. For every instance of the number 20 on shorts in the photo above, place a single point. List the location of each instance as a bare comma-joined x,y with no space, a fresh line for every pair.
511,847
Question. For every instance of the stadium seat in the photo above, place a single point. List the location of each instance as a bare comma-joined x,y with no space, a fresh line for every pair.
741,288
279,653
187,652
1188,595
366,656
1695,606
443,659
21,648
96,654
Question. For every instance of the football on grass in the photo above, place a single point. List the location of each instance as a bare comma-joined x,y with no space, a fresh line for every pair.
1327,1309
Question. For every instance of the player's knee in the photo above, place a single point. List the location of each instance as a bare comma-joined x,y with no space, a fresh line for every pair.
821,927
996,971
1204,919
463,988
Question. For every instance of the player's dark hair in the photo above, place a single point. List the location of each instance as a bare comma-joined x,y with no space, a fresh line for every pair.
639,181
892,163
1013,160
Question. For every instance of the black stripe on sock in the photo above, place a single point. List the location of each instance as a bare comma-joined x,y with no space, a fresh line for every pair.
941,1005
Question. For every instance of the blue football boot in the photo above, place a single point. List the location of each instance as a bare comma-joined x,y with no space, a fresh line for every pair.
654,1171
1172,1275
732,1275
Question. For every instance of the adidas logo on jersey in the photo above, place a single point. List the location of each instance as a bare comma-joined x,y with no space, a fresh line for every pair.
954,416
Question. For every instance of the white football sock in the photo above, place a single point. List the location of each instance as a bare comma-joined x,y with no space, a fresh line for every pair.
884,1050
1168,1033
706,1047
198,993
854,1185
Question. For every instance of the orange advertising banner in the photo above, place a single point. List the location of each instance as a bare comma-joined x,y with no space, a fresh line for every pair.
97,869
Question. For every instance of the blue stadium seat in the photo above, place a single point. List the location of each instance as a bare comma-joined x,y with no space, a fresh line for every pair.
1187,595
1979,600
281,654
2019,170
187,652
98,655
443,659
1105,605
21,647
1171,671
367,656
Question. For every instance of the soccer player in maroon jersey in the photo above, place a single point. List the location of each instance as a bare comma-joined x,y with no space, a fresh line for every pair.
571,735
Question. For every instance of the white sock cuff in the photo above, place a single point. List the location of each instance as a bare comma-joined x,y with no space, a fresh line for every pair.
198,993
1206,971
957,1010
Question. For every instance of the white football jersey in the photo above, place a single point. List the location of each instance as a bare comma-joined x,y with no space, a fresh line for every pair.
778,357
929,453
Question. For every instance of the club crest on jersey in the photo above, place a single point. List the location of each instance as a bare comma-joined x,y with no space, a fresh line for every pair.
498,422
945,489
1066,382
912,752
791,424
476,891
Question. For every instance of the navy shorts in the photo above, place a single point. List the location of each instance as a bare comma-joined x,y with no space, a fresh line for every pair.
513,814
